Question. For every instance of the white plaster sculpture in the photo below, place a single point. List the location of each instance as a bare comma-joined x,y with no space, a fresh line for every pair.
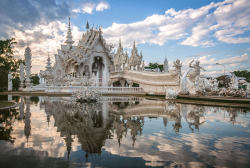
171,94
10,87
234,82
177,67
191,82
185,83
215,85
86,94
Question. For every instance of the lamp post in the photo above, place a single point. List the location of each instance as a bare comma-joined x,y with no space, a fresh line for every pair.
223,71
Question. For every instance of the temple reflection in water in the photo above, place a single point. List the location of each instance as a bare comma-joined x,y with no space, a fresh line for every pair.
116,125
91,124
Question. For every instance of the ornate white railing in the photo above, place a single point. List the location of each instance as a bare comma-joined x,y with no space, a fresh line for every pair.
120,99
120,89
103,90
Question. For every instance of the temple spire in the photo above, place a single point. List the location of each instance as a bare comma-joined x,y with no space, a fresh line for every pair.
120,43
165,66
87,25
69,36
134,44
48,64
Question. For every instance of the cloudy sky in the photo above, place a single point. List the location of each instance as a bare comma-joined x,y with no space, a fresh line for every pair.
209,30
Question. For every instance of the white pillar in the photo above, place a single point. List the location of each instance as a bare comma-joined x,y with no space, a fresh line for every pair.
10,87
27,66
21,75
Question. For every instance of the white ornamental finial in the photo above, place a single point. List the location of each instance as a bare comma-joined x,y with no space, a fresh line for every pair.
120,43
69,36
165,67
48,66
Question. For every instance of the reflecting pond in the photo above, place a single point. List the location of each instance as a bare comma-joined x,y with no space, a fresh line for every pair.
122,132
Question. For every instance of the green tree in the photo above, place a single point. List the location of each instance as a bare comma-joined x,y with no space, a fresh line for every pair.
35,79
7,62
7,118
155,66
244,73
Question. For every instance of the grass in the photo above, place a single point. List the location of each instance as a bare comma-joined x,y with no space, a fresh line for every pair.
4,104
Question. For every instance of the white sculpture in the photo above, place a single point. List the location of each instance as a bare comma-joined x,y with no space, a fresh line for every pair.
234,82
185,83
177,67
215,85
87,93
196,70
191,82
171,94
10,87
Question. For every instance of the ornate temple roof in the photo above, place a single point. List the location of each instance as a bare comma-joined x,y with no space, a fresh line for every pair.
135,58
122,57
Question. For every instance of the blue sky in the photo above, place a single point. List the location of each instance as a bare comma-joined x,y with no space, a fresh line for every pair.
209,30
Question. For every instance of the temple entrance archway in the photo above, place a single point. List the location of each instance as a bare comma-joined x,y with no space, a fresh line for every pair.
97,69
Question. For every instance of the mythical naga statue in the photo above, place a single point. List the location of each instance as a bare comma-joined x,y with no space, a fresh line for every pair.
196,70
191,81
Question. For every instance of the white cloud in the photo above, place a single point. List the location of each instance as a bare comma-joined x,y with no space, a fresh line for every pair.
196,39
89,8
43,39
223,21
102,6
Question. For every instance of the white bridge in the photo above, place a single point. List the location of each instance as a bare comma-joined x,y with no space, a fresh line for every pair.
151,82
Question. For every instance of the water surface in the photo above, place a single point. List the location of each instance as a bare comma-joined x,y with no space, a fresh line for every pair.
122,132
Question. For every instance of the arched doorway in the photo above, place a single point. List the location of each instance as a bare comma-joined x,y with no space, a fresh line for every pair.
97,69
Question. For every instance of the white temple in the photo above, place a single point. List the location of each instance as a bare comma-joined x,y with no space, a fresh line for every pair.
92,63
91,58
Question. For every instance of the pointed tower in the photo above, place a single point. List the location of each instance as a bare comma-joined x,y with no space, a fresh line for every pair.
140,58
119,57
133,60
87,26
69,36
165,66
120,43
48,64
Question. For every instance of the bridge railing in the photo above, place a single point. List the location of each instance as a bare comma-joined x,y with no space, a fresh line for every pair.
103,90
130,90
